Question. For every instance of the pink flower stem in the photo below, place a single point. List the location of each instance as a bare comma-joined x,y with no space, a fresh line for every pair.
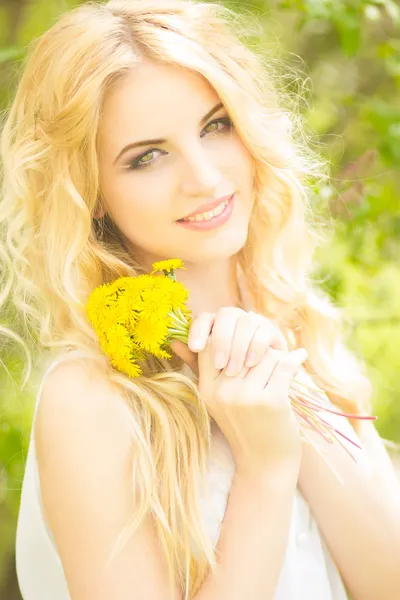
342,434
318,430
323,407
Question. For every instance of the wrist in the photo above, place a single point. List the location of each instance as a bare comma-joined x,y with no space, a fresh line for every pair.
274,473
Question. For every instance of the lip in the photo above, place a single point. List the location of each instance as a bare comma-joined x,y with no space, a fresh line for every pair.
206,207
213,223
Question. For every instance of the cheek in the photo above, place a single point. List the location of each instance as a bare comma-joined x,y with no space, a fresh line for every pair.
140,199
247,160
241,161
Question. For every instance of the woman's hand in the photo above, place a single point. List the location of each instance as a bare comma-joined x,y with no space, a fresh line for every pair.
249,398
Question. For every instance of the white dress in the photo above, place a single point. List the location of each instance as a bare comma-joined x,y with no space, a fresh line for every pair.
308,571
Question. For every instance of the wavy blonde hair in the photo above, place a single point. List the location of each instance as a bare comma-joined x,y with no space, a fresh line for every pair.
54,257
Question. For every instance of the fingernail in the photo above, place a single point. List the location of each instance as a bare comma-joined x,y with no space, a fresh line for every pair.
219,361
231,369
195,344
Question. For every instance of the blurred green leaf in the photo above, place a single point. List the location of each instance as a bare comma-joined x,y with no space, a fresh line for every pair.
348,25
13,53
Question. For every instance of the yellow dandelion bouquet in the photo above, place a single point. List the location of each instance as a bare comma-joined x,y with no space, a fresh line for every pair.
134,316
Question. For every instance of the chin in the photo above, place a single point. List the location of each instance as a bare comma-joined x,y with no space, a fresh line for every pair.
214,250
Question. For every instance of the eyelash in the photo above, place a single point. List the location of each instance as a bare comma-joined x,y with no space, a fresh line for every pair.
135,165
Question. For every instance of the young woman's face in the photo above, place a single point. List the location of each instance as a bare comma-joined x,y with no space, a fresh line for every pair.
196,157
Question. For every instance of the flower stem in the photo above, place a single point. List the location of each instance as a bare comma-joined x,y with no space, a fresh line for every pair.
180,327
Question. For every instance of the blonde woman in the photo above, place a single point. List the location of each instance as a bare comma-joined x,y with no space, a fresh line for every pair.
193,480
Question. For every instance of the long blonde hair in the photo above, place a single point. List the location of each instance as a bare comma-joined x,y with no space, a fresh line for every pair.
53,255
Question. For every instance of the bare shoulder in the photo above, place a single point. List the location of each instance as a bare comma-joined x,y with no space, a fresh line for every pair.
81,434
78,405
86,456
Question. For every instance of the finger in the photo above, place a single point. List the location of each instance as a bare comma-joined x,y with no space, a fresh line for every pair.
199,331
267,334
223,333
181,350
240,375
245,329
285,370
206,362
259,375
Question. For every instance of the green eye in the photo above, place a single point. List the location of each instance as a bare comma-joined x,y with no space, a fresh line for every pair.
139,163
210,124
225,121
144,156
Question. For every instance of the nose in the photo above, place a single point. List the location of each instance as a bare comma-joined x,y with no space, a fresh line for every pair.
201,176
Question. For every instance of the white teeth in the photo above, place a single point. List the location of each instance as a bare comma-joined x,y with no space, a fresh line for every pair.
210,214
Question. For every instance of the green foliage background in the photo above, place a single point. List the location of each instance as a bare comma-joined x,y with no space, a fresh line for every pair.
347,57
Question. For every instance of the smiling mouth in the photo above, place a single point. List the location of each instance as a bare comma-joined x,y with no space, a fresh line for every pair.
208,215
212,219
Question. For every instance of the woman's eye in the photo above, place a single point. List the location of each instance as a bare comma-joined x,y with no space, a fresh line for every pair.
226,121
143,157
141,161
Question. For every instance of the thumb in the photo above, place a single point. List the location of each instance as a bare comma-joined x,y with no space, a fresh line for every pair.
182,350
300,355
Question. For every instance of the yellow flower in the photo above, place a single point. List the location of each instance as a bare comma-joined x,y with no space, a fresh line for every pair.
111,317
179,295
122,284
119,341
175,290
103,343
156,304
161,353
127,307
145,281
134,316
99,304
127,365
168,265
132,285
150,334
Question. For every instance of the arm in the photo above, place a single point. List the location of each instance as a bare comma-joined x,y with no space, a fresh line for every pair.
359,519
84,451
253,537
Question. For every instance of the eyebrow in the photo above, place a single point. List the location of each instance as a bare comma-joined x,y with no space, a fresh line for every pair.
163,140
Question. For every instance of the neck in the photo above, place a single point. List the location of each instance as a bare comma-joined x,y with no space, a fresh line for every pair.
211,286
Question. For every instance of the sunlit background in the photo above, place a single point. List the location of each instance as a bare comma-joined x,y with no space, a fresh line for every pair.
344,59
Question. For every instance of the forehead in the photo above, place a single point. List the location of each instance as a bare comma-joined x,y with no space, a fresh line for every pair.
153,99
